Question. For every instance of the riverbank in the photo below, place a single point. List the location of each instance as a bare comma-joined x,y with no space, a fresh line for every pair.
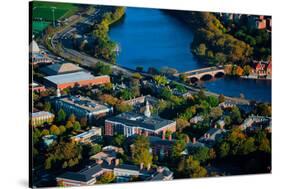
105,48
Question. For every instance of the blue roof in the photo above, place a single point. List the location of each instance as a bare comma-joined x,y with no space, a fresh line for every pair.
70,77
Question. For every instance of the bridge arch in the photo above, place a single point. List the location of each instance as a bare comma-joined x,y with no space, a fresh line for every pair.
206,77
219,74
193,79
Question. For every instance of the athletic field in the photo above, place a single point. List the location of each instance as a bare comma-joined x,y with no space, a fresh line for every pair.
44,10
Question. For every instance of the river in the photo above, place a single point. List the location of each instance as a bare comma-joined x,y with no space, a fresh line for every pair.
152,38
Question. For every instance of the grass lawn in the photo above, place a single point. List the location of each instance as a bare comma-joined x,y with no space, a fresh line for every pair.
44,10
38,26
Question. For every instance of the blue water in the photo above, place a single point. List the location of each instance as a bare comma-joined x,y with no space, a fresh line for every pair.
152,38
259,90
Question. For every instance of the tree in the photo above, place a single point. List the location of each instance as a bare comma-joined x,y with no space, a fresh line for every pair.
47,106
118,140
248,146
107,177
72,118
63,151
224,149
61,116
45,132
193,169
126,94
140,151
123,107
166,93
160,80
181,124
239,71
76,126
247,70
69,124
221,98
54,130
264,109
62,129
201,49
201,154
235,115
216,112
212,153
177,148
213,101
136,75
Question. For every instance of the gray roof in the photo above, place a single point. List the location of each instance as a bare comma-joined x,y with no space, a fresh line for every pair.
64,68
84,175
70,77
139,120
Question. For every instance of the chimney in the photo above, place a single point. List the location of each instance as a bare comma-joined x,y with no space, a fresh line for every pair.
99,161
141,166
160,169
170,137
146,133
148,166
194,140
117,161
163,135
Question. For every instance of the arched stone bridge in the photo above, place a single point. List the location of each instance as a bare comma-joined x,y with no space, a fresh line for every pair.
199,74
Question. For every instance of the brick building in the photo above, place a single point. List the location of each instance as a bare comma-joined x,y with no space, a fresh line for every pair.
75,79
130,123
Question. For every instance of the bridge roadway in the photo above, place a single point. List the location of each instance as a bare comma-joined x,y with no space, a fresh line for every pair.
199,73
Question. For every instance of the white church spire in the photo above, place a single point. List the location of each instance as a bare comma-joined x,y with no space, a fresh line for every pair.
147,112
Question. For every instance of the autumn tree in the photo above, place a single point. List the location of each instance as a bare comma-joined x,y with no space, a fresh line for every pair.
140,151
177,148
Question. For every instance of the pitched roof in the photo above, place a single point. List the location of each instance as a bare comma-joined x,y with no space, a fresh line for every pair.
84,175
55,69
139,120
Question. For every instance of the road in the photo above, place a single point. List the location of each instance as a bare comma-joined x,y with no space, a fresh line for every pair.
81,25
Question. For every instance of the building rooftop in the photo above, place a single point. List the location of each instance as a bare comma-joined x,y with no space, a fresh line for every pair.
84,175
33,47
85,103
42,113
70,77
139,120
56,69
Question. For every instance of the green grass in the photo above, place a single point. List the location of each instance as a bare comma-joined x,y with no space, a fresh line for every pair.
44,10
38,26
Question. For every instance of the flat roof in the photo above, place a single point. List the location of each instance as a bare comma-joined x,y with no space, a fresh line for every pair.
85,103
42,113
70,77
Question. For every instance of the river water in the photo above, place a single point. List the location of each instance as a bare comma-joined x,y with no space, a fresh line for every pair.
152,38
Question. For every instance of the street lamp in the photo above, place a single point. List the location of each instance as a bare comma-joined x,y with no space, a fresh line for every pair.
53,10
